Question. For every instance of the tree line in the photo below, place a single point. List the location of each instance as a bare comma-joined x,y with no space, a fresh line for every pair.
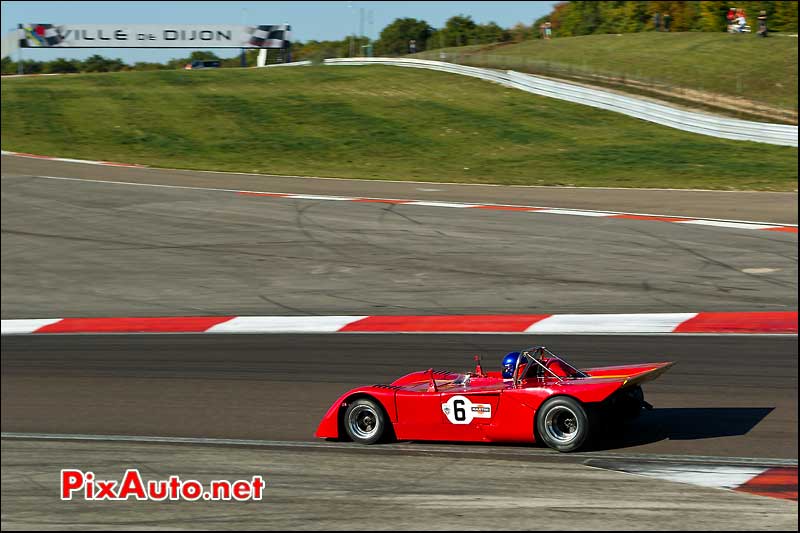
98,63
567,19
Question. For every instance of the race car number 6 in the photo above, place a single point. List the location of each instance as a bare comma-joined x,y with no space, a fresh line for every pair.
460,410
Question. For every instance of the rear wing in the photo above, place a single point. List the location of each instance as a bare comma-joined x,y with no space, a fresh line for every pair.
647,375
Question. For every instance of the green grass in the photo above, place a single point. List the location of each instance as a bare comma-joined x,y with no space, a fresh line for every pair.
740,66
372,123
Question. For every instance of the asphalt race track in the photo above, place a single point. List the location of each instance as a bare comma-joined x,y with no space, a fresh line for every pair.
731,396
323,489
727,396
777,207
97,249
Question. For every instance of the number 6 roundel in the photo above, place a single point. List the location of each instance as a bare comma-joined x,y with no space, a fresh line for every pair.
460,410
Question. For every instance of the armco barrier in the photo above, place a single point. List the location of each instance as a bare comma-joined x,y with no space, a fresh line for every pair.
704,124
294,64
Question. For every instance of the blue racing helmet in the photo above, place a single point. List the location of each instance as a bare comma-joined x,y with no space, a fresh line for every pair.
509,364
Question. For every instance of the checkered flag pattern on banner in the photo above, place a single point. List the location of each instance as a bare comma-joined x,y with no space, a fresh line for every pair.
37,35
271,36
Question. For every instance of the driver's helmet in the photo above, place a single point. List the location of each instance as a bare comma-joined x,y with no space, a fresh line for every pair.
509,364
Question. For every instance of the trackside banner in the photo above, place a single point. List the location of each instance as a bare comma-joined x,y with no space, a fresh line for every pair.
153,36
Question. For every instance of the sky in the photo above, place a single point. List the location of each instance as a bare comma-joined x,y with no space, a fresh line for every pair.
310,20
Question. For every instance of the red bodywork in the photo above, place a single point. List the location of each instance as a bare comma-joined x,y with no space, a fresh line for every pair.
417,404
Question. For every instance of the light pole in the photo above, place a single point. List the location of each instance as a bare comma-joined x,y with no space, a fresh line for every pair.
360,30
352,33
370,21
243,57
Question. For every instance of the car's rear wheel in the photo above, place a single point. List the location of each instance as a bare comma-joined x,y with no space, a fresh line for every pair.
562,424
629,403
365,421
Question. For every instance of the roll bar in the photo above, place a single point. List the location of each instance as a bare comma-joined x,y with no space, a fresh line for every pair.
534,355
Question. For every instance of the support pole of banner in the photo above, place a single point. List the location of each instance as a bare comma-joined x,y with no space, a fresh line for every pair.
20,36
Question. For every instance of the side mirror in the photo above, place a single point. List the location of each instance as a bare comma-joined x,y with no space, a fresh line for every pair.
478,367
432,382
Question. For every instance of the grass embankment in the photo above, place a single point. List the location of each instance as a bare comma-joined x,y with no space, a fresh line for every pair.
369,122
741,74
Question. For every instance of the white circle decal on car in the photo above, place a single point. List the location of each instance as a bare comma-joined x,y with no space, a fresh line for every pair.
460,410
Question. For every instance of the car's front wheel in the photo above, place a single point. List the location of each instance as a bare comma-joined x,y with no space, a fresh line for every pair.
365,421
562,424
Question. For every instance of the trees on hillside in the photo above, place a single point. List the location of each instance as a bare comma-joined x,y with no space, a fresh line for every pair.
98,63
567,19
491,32
712,16
784,16
9,66
318,50
461,30
62,66
458,30
203,55
395,37
31,66
590,17
520,32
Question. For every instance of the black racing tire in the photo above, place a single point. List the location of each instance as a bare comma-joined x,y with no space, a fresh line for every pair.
562,423
634,404
622,407
365,421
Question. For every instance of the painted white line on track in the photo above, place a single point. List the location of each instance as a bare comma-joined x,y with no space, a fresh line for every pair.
549,333
314,197
577,212
440,204
454,183
25,325
725,224
712,476
288,324
600,323
737,224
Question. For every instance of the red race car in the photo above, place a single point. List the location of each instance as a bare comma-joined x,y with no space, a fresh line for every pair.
537,396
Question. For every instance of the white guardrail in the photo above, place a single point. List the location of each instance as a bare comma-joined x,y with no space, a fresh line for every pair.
704,124
293,64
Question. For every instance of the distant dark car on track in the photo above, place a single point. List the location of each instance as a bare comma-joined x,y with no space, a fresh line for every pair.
538,396
203,63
